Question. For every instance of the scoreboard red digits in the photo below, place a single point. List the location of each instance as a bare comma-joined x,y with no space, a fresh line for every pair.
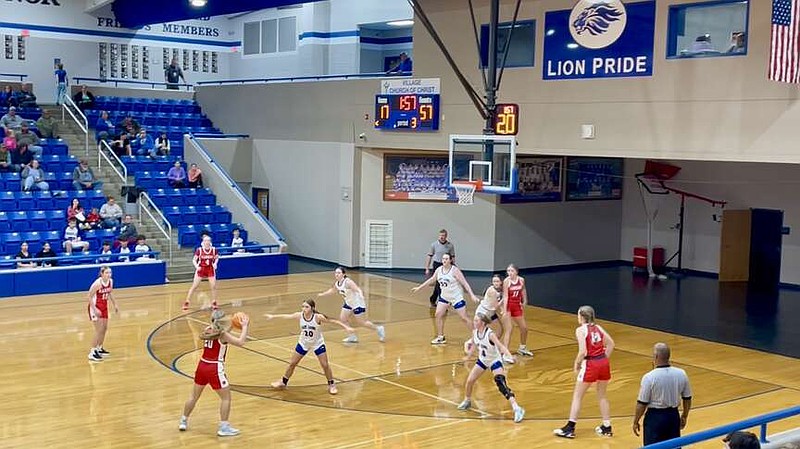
411,112
506,119
408,102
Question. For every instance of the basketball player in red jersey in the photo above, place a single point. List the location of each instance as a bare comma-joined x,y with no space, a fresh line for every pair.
211,369
205,262
591,366
99,296
516,298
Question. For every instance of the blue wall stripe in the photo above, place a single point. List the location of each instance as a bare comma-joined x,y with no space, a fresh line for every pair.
387,40
328,35
118,34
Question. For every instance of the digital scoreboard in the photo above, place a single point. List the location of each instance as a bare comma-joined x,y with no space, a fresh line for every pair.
410,112
506,119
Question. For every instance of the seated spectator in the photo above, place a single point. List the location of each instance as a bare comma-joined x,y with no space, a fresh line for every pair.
92,220
104,129
24,254
84,99
7,97
145,144
33,178
195,177
83,177
11,120
105,252
10,139
162,145
46,251
237,241
176,176
127,231
5,159
702,45
141,246
26,137
21,157
123,249
403,66
111,214
47,125
129,126
72,238
741,440
25,97
75,212
121,146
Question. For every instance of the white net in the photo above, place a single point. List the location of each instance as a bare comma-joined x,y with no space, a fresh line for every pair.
465,192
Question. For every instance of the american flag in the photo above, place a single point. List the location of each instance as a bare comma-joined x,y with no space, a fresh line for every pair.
784,58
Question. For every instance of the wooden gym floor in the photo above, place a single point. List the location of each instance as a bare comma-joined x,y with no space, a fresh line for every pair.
398,394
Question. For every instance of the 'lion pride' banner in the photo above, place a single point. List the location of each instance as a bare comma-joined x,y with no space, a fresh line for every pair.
599,39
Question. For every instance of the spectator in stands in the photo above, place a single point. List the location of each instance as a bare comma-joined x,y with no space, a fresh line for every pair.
122,146
33,177
237,241
176,176
106,253
104,129
83,177
72,238
123,249
162,145
5,159
47,125
26,137
46,251
195,177
75,212
127,231
24,254
741,440
403,66
21,157
145,144
111,213
61,84
141,246
11,120
26,98
10,140
92,220
84,99
173,74
7,97
129,126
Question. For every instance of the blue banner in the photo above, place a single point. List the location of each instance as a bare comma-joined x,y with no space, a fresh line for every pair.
599,39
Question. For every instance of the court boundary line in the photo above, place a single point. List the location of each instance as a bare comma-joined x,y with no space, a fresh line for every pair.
402,434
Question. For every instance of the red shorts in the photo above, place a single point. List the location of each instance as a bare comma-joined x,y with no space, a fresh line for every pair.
211,374
206,271
103,308
515,308
594,370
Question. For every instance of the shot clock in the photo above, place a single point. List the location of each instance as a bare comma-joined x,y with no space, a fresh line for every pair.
409,112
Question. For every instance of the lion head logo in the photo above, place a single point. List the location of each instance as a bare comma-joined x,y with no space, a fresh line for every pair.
597,23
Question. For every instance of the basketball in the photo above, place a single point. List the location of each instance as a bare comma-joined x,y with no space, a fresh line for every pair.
236,321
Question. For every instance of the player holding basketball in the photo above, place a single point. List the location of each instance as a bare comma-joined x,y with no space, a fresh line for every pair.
311,339
453,284
211,369
205,263
591,366
489,349
516,298
99,296
354,307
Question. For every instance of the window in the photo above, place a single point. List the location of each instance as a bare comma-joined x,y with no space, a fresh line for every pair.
270,36
714,28
520,48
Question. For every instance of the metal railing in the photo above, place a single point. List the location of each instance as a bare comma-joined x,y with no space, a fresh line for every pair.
83,123
297,79
79,257
14,75
147,205
237,190
117,82
102,149
761,420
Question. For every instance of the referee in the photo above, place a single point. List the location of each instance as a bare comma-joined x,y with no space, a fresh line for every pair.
438,249
661,390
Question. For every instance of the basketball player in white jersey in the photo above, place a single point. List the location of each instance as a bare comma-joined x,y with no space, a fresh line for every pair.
354,307
310,339
453,284
492,305
489,348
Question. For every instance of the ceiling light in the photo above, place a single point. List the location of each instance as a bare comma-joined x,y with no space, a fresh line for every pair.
400,23
198,3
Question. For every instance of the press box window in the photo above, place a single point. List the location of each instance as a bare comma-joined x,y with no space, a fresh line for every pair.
714,28
270,36
520,48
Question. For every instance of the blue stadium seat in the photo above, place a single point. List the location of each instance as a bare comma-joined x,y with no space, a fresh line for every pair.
140,105
7,262
90,235
80,195
205,214
221,214
19,221
56,219
61,199
5,222
206,197
11,242
54,238
106,235
64,181
8,202
159,196
39,220
221,232
168,105
187,235
154,105
173,214
44,200
24,200
34,240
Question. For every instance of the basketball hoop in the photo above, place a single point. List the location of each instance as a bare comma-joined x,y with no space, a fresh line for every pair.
466,191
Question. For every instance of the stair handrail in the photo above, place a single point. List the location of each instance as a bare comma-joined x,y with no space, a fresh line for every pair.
123,175
83,123
146,204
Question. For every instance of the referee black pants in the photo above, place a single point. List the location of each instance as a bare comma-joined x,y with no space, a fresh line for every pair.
661,424
436,289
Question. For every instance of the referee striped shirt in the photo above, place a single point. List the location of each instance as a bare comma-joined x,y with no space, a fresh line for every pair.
664,387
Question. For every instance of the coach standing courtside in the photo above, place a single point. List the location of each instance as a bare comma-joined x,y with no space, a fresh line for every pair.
661,390
438,249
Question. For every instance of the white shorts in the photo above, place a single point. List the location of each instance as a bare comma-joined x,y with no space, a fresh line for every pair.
484,311
77,244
